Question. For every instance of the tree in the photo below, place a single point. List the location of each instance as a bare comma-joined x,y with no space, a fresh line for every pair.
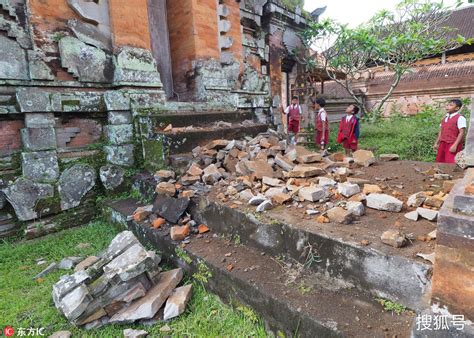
397,39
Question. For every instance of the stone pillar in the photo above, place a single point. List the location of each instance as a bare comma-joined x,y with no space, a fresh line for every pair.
469,150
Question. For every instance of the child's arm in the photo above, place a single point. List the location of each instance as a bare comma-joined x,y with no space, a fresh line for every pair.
436,145
459,139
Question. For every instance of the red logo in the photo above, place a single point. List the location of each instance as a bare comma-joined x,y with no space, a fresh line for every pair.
8,331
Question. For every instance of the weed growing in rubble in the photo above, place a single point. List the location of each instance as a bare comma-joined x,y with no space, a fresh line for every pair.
237,240
183,255
248,313
304,289
390,306
203,273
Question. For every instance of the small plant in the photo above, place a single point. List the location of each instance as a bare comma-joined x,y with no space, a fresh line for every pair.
390,306
183,255
312,257
203,273
237,240
248,313
304,289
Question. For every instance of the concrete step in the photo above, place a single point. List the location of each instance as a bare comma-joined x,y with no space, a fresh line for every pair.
201,118
377,270
240,274
186,140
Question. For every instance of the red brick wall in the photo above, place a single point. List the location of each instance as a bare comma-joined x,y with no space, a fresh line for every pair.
235,30
129,23
10,139
77,132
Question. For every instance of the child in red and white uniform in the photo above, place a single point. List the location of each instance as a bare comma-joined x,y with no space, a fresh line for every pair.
349,130
293,113
321,124
451,134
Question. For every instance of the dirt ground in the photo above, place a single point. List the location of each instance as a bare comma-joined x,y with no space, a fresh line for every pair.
404,177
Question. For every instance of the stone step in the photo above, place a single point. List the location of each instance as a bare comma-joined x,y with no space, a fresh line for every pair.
243,275
200,118
378,270
185,141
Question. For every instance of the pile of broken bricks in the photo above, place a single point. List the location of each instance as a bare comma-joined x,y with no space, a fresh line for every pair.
265,172
123,285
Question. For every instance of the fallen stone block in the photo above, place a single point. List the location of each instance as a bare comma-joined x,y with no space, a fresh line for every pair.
170,208
272,182
147,306
384,202
280,198
348,189
176,303
416,200
327,182
75,302
430,215
412,216
312,194
89,261
211,174
246,195
50,268
131,333
309,158
371,189
364,158
433,202
194,170
306,172
356,208
179,233
119,244
217,144
68,283
339,215
274,191
260,169
166,188
394,238
264,206
337,157
284,163
190,180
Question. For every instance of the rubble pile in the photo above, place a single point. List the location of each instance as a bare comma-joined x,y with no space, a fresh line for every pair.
265,172
122,285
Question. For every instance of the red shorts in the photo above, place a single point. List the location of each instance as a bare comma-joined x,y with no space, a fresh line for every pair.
294,126
350,145
319,136
444,155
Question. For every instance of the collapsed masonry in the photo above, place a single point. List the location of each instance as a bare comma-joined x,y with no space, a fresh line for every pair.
123,285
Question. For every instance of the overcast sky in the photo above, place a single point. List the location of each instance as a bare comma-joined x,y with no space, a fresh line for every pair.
353,11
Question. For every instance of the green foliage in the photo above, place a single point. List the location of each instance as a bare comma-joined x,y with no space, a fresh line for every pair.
390,306
411,137
304,289
183,255
203,274
25,302
248,313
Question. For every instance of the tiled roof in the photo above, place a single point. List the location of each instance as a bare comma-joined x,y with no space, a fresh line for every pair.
462,20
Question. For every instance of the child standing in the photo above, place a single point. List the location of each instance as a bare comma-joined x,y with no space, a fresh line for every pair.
321,124
349,130
451,135
293,114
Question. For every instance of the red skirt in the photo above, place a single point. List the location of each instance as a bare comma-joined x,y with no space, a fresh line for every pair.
444,155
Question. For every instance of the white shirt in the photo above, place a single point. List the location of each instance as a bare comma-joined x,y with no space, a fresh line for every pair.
462,123
323,114
287,110
349,117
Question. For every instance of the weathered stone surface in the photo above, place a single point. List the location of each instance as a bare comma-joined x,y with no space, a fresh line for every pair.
305,172
40,166
13,65
120,244
24,194
356,208
39,70
118,105
112,177
309,158
284,163
74,184
272,182
61,334
132,263
176,303
68,263
119,134
371,189
75,302
384,202
3,200
246,195
430,215
280,198
416,200
327,182
91,34
33,100
35,139
389,157
170,208
339,215
120,155
257,200
412,216
189,180
66,284
166,188
259,168
136,65
164,175
211,174
394,238
38,120
89,261
312,194
147,306
348,189
265,205
88,63
131,333
119,117
434,202
274,191
364,157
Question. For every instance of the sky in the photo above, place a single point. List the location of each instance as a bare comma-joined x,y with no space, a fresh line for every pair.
353,12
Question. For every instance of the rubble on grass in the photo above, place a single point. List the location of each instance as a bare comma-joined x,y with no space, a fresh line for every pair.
124,284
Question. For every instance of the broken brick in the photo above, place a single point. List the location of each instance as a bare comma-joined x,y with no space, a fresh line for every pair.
157,223
202,228
179,233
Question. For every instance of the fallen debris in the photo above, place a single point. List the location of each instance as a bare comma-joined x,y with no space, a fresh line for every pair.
176,303
384,202
394,238
430,215
131,333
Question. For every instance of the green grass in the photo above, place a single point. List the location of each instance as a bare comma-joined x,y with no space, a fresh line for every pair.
411,137
28,303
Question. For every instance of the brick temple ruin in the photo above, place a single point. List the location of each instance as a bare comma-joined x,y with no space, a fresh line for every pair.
96,95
